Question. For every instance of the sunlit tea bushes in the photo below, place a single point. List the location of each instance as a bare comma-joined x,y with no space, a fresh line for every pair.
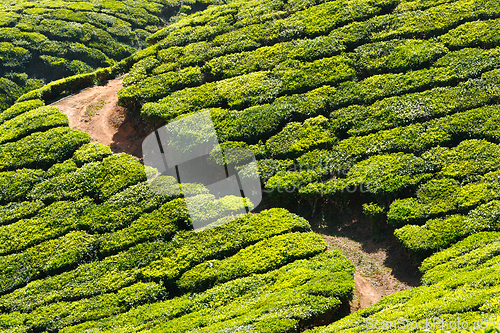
50,222
260,257
461,283
32,121
41,149
440,233
20,108
390,106
301,290
162,223
96,179
52,40
212,244
91,152
49,257
478,33
61,314
15,185
443,196
18,210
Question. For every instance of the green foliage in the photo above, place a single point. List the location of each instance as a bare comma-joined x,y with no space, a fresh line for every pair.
381,175
122,208
373,211
296,138
214,244
253,88
401,110
91,152
443,196
99,180
461,283
41,149
345,99
36,120
61,168
463,256
261,257
17,210
262,121
477,33
62,314
153,88
87,280
298,291
68,85
465,161
20,108
49,257
437,234
268,57
50,222
397,55
15,185
58,39
161,224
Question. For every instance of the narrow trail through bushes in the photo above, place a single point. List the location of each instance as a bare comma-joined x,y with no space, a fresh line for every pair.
381,266
96,111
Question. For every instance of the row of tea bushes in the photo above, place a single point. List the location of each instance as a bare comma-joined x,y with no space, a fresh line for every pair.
51,40
254,88
36,120
461,285
261,121
261,257
381,55
41,149
50,222
376,57
99,180
59,315
47,258
443,196
20,108
161,260
279,301
319,165
440,233
397,111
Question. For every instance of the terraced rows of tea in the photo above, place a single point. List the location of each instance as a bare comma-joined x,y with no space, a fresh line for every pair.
392,104
41,41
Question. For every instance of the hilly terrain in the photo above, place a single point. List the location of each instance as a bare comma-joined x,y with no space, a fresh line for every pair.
375,128
41,41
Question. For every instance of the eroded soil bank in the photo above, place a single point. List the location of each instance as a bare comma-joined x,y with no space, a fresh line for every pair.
96,111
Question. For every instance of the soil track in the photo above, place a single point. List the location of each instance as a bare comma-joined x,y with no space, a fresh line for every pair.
96,111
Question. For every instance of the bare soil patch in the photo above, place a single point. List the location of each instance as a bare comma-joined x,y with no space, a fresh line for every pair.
96,111
382,266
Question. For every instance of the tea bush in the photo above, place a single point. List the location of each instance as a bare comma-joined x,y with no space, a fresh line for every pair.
390,104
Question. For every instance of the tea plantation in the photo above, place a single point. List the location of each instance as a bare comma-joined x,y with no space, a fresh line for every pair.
41,41
390,103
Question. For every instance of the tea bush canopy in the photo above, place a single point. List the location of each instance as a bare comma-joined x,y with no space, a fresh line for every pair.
390,105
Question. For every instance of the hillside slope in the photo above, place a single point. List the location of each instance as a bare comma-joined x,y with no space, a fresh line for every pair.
391,104
41,41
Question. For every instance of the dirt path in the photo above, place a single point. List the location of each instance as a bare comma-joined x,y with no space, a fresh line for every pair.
382,267
96,112
365,293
